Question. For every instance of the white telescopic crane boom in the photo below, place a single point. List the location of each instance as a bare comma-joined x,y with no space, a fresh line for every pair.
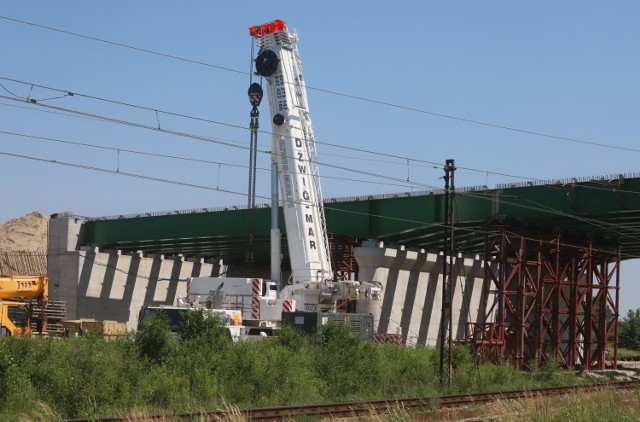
294,152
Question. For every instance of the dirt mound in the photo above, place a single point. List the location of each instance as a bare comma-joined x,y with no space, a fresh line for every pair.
28,233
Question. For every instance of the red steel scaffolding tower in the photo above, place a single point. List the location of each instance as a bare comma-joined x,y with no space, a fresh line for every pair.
547,296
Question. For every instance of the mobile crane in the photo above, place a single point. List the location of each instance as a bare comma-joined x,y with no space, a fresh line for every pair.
293,150
314,293
15,290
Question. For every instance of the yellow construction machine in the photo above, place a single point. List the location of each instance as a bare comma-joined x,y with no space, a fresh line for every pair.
16,295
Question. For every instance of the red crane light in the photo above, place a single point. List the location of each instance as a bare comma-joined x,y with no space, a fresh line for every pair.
268,28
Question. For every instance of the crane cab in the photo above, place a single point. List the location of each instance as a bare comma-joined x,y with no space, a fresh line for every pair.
14,319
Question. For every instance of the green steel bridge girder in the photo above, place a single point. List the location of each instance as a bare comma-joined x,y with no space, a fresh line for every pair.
607,211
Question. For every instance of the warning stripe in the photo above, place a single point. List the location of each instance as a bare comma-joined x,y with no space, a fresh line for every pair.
256,287
387,338
255,307
287,305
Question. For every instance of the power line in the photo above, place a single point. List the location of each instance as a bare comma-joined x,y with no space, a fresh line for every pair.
121,173
233,144
332,92
404,159
226,142
242,146
174,157
130,151
350,157
213,140
117,44
46,111
239,144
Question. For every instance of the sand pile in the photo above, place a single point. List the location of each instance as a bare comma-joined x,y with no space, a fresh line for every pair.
28,233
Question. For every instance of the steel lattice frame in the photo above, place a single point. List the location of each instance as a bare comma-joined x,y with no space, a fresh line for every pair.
547,297
342,255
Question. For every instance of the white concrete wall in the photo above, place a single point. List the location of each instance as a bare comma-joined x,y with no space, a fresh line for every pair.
412,291
108,285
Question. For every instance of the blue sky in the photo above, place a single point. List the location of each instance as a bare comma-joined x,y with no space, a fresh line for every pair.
567,69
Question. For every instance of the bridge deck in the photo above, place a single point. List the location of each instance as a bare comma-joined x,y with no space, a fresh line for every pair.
606,209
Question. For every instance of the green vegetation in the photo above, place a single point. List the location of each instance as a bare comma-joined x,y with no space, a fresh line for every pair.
629,334
605,405
156,371
628,354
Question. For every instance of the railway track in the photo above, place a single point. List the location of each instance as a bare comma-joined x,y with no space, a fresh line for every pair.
354,409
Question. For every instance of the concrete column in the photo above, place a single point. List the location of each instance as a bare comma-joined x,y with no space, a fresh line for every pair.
412,291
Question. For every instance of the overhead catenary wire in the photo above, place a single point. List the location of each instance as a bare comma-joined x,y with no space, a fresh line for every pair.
229,143
239,145
156,110
329,91
210,140
361,98
204,119
327,154
102,118
430,164
121,173
175,157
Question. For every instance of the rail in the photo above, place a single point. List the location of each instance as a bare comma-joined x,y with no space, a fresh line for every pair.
355,409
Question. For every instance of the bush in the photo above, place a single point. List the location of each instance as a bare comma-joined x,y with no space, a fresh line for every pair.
89,377
154,339
198,324
629,334
346,364
292,338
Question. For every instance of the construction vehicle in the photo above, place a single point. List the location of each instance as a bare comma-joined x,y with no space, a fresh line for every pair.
313,289
255,298
16,293
231,319
313,286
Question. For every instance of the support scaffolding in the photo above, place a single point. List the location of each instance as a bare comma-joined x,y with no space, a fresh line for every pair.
343,257
547,297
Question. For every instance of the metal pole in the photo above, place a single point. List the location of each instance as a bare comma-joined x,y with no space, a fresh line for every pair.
275,231
452,169
445,253
446,314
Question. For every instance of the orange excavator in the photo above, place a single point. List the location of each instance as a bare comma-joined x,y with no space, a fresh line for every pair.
16,293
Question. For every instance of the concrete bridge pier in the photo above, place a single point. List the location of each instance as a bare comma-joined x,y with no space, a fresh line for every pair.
109,285
412,291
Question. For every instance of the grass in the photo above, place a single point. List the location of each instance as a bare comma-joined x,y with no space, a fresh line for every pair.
152,372
628,354
605,405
